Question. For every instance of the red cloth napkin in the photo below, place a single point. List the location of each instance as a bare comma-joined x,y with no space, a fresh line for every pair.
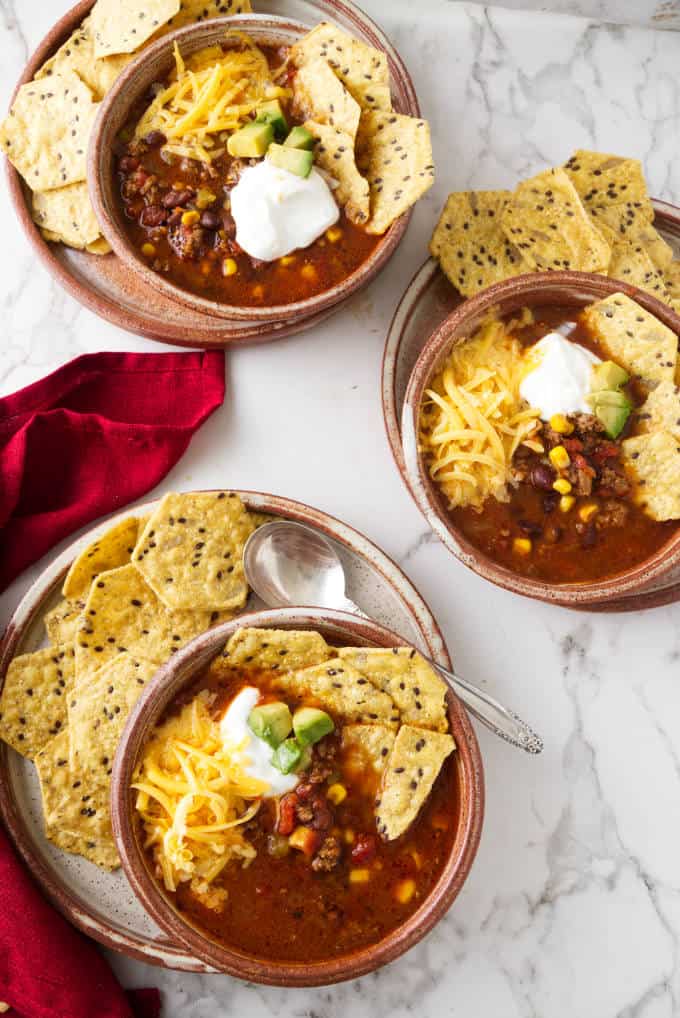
93,436
47,968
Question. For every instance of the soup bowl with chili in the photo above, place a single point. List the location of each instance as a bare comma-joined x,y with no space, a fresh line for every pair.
525,474
331,871
167,205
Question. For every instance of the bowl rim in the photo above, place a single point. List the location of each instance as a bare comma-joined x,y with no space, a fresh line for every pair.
565,287
179,672
99,170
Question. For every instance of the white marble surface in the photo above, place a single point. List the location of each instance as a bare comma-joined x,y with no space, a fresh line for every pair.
655,13
572,909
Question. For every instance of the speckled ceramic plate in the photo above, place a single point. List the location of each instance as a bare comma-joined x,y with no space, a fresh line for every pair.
103,904
107,287
428,299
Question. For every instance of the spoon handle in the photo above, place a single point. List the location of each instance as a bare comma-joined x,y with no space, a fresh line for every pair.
503,722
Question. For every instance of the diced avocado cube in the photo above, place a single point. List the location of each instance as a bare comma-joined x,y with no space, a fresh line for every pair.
251,141
271,113
295,160
613,418
271,722
608,397
287,756
608,375
300,137
311,724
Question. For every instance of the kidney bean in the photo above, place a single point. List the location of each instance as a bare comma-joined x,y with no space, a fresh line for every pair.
128,163
211,220
285,823
542,476
323,818
176,217
153,215
154,139
364,848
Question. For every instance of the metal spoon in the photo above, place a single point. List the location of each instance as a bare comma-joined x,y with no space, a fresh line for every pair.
289,564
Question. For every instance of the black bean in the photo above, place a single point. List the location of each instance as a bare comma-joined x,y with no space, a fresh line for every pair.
589,538
550,503
211,220
154,139
169,200
531,528
542,476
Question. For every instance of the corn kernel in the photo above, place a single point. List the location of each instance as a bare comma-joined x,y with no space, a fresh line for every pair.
587,511
559,457
359,876
337,793
348,836
560,424
308,272
304,839
566,503
562,485
287,260
149,250
334,234
190,218
404,891
521,546
229,267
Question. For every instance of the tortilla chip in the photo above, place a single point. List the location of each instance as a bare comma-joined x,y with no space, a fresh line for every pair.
631,264
77,56
98,712
191,11
620,223
345,692
100,246
334,153
545,219
123,26
653,462
68,214
366,746
122,613
604,180
412,769
660,411
46,133
191,551
362,69
275,649
634,338
74,804
401,672
34,697
322,97
470,245
61,624
395,154
672,280
114,548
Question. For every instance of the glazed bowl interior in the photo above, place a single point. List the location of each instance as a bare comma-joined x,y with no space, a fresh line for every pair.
179,673
571,290
153,65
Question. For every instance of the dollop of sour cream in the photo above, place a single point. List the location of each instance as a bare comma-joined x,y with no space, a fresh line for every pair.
558,376
251,753
276,211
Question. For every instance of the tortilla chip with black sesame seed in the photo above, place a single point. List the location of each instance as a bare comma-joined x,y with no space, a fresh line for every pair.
672,280
633,228
412,768
67,213
114,548
546,220
75,807
395,155
334,153
122,26
46,133
660,411
191,11
362,69
100,246
319,95
470,245
366,747
191,551
336,686
279,649
122,613
416,689
652,462
631,264
61,623
77,56
603,181
645,347
34,697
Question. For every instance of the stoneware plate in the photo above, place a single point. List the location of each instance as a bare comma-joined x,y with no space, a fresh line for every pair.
427,301
106,286
171,680
103,904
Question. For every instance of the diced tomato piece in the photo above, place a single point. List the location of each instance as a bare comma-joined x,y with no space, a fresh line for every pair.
582,463
605,452
364,849
572,444
285,823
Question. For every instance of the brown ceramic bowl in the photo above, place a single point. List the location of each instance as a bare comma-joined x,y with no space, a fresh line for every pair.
179,672
153,65
565,289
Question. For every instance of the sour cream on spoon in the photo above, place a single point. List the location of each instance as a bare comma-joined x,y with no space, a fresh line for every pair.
277,212
558,376
252,754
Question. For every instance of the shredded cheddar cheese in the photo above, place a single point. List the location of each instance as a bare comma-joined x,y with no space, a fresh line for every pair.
211,94
473,418
193,798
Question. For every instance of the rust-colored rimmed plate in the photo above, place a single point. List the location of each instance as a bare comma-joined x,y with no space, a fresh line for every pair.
105,285
101,904
427,301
